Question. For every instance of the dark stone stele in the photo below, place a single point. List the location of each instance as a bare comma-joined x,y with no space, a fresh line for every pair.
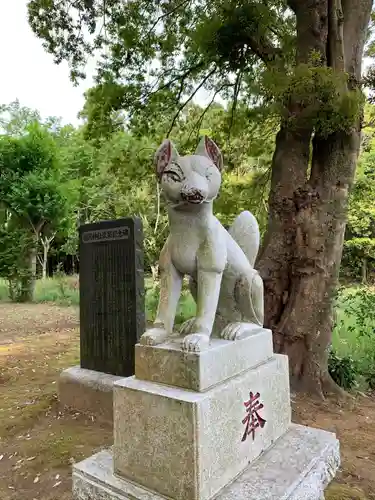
112,300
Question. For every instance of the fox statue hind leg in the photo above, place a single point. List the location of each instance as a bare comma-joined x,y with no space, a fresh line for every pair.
248,291
249,300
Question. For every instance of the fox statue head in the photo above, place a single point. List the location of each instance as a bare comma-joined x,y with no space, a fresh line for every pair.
191,180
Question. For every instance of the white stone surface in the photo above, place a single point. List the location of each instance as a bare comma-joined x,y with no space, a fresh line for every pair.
298,467
190,443
95,380
200,371
227,289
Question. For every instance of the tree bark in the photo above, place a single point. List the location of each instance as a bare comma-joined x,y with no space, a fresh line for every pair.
45,257
302,250
28,282
46,243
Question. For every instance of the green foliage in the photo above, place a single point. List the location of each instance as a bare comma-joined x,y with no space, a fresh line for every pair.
67,179
318,93
370,378
15,119
14,268
353,336
61,289
359,247
29,181
343,370
102,110
232,49
360,305
186,308
31,193
244,192
117,177
224,35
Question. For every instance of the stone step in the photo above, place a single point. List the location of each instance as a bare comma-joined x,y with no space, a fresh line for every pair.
298,467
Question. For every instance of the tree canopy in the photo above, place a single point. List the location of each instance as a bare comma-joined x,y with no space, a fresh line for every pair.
246,50
291,66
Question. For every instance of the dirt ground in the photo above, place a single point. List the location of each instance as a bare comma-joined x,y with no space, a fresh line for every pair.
21,320
38,443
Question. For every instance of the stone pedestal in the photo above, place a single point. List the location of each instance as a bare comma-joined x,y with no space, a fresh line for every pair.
216,424
87,391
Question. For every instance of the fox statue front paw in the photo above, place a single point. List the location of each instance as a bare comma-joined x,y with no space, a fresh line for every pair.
239,331
154,336
195,342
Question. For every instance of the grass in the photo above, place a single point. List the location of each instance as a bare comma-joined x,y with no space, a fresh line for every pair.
64,290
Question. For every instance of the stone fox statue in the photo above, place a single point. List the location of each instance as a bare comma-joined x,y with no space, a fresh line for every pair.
227,289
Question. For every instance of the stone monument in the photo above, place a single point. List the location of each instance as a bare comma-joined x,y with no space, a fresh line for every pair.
207,414
112,313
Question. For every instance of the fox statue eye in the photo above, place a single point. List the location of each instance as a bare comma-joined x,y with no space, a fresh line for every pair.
172,175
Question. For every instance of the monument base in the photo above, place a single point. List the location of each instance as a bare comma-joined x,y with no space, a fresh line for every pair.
298,466
87,391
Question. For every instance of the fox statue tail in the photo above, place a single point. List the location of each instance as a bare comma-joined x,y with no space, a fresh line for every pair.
245,231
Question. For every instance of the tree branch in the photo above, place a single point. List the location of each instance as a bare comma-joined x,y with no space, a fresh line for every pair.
174,80
38,227
199,122
182,106
156,227
237,88
166,14
263,49
369,124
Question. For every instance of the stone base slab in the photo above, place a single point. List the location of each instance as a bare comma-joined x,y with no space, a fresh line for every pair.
87,391
299,466
199,371
194,443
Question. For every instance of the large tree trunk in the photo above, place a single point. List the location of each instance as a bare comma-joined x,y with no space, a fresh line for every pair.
302,250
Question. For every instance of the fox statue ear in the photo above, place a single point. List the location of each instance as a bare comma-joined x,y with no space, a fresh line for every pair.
208,148
164,155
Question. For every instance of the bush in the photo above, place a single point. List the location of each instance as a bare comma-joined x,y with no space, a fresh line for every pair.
370,378
344,371
353,336
360,305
